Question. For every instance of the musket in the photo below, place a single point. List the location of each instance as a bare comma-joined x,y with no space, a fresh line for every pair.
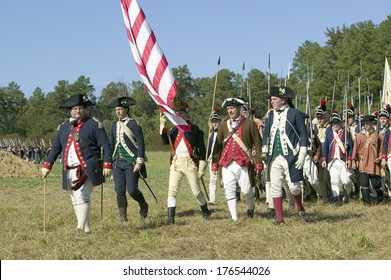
215,87
346,120
268,83
213,105
359,97
241,87
378,126
368,98
334,89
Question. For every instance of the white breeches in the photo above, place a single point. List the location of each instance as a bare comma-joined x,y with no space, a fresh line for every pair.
279,172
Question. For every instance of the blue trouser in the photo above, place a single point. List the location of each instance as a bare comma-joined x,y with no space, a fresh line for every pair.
126,179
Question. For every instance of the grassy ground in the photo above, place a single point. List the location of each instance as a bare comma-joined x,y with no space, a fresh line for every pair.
351,231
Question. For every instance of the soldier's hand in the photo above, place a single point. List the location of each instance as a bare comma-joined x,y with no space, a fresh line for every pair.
324,164
163,120
202,168
383,163
300,160
137,167
106,172
45,172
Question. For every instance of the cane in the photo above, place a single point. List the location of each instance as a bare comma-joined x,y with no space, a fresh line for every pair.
44,206
101,186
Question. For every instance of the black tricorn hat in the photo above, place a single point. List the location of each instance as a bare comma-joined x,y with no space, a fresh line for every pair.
368,118
124,101
77,100
233,101
282,92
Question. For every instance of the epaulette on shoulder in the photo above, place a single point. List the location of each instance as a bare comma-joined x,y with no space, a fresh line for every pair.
58,127
100,125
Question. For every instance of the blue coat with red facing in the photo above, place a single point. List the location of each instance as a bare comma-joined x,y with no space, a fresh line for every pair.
92,134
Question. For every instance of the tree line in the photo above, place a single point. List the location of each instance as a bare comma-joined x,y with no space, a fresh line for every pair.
351,60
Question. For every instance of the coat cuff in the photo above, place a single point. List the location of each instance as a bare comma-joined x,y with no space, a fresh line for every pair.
107,165
215,167
48,165
259,166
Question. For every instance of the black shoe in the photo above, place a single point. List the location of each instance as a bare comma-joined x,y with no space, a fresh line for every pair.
250,214
277,222
303,217
143,209
205,212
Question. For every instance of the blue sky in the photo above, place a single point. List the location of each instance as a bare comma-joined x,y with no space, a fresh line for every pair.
44,41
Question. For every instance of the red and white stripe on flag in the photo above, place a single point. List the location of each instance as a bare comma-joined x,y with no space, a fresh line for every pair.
151,62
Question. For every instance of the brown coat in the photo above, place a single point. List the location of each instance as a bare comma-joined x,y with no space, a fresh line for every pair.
366,151
250,137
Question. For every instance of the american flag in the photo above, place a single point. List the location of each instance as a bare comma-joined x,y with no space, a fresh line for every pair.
151,62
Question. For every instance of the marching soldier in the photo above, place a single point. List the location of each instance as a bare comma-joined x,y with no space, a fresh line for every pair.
214,179
323,118
384,120
187,159
285,143
354,128
79,141
368,158
337,157
233,152
127,140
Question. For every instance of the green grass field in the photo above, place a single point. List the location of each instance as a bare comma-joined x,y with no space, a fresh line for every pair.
352,231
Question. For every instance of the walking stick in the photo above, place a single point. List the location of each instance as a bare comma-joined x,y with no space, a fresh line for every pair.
203,184
44,206
101,186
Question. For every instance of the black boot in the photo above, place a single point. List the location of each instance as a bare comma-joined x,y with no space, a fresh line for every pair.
335,201
365,196
205,211
380,196
122,214
171,215
143,209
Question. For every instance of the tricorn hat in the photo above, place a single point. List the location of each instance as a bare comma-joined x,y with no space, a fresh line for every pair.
124,101
233,101
282,92
368,118
76,100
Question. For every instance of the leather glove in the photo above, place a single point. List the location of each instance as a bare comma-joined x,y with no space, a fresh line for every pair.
163,120
300,161
45,172
106,172
202,168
